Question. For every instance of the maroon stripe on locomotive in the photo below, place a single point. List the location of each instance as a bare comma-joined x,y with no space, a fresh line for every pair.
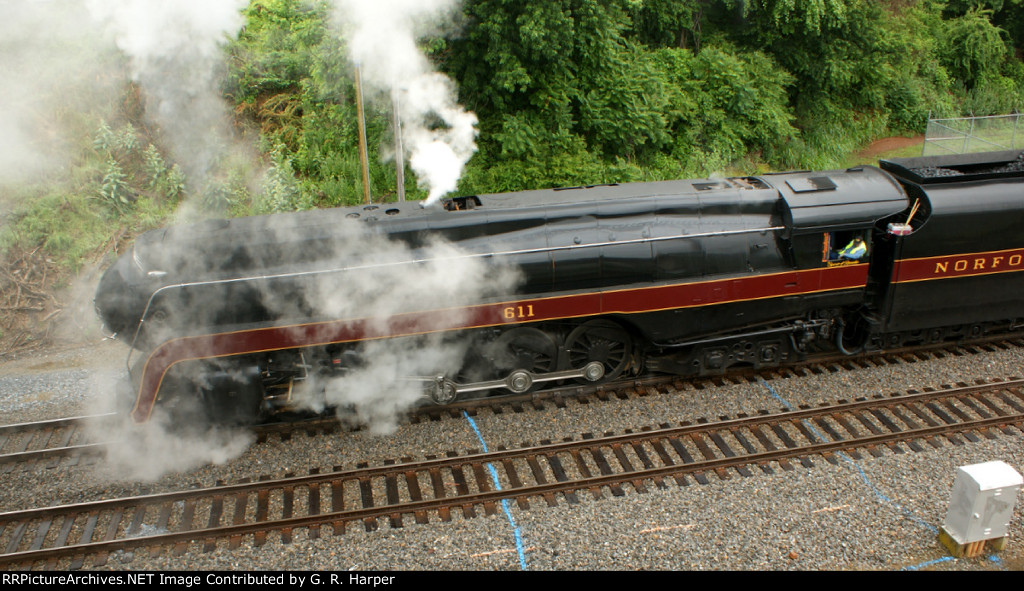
625,301
959,265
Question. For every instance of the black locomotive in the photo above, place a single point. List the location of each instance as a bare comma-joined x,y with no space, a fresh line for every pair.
688,277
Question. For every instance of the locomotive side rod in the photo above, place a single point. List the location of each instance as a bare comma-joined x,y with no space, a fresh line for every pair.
443,390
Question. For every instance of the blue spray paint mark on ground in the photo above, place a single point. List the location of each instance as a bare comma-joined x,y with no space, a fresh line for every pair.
929,563
504,502
866,480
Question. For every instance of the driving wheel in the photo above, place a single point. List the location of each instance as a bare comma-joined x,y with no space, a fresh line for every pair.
603,341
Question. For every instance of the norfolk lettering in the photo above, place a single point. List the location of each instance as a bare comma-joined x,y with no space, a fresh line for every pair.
991,263
958,265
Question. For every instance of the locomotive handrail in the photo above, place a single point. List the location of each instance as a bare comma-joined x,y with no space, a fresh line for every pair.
465,256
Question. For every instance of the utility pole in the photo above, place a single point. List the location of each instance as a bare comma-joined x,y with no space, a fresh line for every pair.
362,138
399,155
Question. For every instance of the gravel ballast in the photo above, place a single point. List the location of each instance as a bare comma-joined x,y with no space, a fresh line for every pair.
858,514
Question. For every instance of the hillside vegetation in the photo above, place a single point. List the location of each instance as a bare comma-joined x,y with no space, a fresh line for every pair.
566,92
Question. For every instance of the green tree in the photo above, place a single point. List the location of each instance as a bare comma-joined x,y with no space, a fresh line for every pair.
974,47
669,23
861,68
556,77
290,76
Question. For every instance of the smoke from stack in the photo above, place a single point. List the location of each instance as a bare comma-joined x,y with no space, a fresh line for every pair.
173,53
439,135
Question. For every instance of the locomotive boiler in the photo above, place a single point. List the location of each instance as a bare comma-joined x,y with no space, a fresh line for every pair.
586,283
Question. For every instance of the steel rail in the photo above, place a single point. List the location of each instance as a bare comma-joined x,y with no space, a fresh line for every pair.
520,492
555,395
39,425
337,517
85,449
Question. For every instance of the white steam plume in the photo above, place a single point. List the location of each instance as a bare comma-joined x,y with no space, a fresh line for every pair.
148,452
381,36
63,65
175,48
175,54
387,279
54,68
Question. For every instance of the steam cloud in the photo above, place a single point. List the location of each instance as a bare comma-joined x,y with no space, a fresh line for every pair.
440,138
381,36
53,65
65,64
372,278
175,53
388,278
149,452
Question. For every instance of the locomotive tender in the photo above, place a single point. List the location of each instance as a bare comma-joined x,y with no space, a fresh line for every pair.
688,277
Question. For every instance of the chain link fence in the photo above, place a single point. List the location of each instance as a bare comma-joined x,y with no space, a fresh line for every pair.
963,135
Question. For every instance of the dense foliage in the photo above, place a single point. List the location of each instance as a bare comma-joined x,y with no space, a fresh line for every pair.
566,92
591,91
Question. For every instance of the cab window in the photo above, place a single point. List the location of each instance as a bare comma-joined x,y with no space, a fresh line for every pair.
846,245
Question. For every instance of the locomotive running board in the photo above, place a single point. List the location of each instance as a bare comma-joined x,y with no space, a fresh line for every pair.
442,390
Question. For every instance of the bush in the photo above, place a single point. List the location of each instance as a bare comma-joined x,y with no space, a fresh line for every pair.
974,48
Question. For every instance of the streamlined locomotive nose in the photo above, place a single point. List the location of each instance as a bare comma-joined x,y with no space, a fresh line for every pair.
119,301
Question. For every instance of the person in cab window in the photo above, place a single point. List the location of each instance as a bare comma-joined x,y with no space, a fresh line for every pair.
854,251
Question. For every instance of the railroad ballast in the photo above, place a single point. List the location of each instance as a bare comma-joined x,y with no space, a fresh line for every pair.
247,318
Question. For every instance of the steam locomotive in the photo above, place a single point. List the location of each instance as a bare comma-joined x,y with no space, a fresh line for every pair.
585,283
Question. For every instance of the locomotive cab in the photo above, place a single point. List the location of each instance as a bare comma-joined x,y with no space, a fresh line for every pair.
824,241
831,218
833,221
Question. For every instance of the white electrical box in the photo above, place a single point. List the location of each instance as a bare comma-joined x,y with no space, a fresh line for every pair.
982,503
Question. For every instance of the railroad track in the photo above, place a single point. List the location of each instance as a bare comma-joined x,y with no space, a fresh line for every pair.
818,364
48,443
667,455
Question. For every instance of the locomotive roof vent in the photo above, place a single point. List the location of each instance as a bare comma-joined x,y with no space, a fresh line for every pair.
747,182
461,203
811,183
711,185
586,186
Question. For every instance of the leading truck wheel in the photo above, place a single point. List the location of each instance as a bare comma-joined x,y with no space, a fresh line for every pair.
601,341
